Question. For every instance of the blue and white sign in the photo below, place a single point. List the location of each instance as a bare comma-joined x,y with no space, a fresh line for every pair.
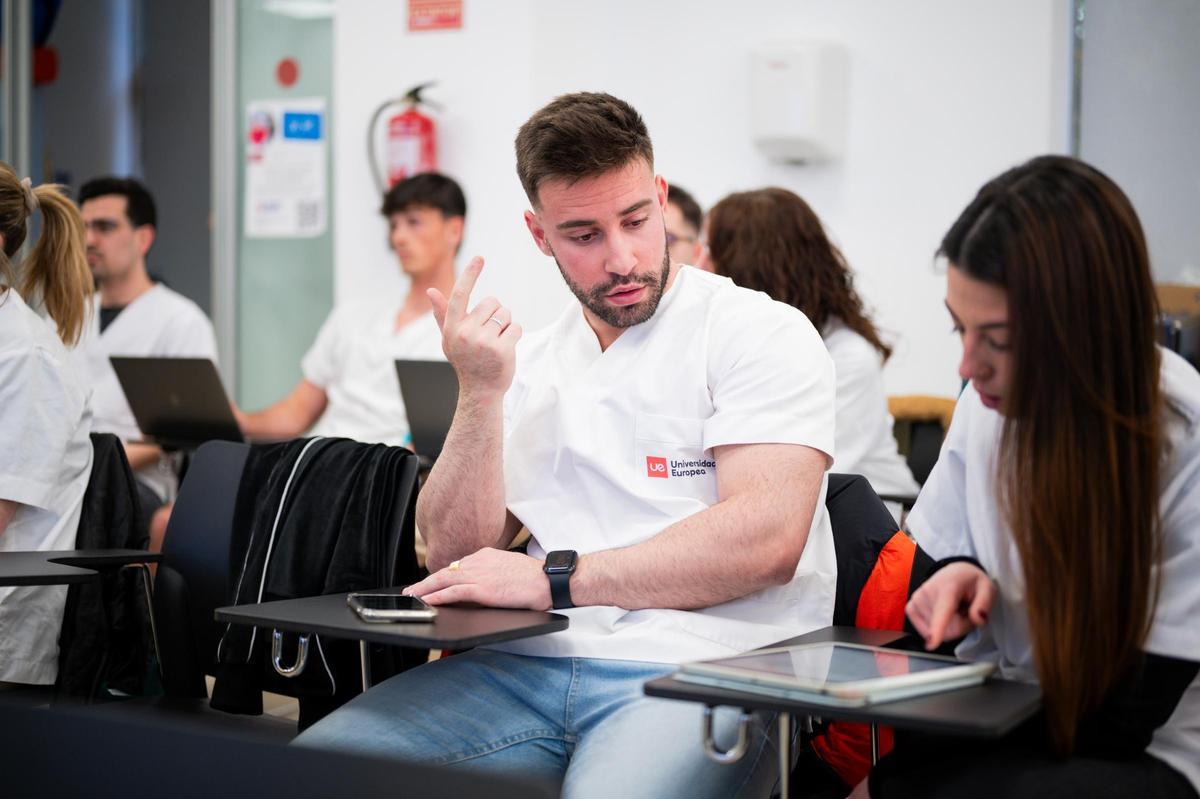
286,177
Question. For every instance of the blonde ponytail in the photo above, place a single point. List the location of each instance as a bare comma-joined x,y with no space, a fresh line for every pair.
57,269
56,272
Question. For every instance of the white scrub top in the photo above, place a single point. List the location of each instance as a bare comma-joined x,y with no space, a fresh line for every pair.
865,444
45,463
957,515
352,360
159,323
608,449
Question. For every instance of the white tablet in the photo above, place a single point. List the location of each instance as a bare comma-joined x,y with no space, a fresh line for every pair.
837,674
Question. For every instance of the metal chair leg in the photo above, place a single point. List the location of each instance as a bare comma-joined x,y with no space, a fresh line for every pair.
785,753
149,592
364,659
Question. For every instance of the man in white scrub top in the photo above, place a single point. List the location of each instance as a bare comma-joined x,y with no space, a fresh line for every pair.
349,388
665,443
136,317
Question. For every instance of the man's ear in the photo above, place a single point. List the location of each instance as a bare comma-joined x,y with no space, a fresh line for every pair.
660,186
538,232
455,227
143,236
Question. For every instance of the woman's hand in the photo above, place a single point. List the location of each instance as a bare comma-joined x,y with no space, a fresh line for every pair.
951,603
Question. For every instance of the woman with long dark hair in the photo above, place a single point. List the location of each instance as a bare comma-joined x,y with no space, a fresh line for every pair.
771,241
45,451
1065,507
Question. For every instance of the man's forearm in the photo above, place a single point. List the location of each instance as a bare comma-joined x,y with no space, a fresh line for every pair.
720,554
752,539
141,455
276,423
461,507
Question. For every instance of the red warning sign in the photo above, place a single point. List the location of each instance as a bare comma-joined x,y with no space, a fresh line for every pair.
432,15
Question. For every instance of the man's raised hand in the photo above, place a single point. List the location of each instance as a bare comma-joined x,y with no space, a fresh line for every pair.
480,344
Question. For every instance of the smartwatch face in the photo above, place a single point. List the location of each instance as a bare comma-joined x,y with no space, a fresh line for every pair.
561,560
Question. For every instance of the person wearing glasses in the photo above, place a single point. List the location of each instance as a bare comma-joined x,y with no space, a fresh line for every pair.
137,316
683,218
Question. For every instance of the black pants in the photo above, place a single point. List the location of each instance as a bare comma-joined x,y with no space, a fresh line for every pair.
1017,766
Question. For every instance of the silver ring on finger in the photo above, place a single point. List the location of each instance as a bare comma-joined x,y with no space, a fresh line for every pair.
499,322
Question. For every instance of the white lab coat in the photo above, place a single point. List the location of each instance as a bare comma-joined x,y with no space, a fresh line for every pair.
45,463
957,514
159,323
352,360
865,444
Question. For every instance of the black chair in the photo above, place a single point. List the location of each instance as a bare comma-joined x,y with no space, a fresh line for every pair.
919,425
872,588
192,579
106,631
194,576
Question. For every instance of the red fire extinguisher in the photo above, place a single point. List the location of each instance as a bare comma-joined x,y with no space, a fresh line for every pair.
411,140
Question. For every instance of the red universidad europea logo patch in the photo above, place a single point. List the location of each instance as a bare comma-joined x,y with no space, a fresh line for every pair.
656,467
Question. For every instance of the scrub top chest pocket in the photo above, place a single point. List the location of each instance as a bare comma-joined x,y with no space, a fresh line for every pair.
669,458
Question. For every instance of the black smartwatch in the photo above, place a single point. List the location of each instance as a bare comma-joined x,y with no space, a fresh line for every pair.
559,566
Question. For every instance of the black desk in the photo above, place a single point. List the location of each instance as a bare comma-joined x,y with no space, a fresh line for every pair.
990,710
456,627
66,566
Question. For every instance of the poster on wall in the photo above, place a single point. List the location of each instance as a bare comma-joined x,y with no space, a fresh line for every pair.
432,15
286,193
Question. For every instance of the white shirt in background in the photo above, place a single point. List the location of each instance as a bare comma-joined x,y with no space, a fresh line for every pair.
159,323
353,361
607,449
957,514
865,443
45,463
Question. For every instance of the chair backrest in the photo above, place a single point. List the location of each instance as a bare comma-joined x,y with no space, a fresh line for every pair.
920,423
876,562
193,577
878,568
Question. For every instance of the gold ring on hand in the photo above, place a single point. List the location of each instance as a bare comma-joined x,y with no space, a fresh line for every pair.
454,565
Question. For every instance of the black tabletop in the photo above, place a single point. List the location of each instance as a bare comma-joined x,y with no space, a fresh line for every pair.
985,711
65,566
456,627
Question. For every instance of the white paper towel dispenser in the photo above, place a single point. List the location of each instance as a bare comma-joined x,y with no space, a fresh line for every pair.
798,100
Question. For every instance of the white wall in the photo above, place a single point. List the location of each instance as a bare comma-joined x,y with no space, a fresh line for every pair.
943,94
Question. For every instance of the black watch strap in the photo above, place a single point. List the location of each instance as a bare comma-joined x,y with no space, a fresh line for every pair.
560,590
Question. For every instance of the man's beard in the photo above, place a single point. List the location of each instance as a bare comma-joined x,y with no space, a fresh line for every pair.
622,316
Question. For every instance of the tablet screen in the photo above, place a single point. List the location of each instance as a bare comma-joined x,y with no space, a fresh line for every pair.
834,663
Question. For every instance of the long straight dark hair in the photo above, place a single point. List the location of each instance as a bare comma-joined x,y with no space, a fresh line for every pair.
770,240
1082,439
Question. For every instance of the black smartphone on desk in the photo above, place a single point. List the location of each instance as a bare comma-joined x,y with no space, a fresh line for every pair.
390,607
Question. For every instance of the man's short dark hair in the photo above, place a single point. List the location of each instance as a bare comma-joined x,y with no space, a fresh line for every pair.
687,205
427,190
139,205
579,136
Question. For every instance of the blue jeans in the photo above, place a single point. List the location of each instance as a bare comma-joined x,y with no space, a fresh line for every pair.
583,722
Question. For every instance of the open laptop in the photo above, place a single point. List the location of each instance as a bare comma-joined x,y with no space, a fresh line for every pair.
430,392
177,402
